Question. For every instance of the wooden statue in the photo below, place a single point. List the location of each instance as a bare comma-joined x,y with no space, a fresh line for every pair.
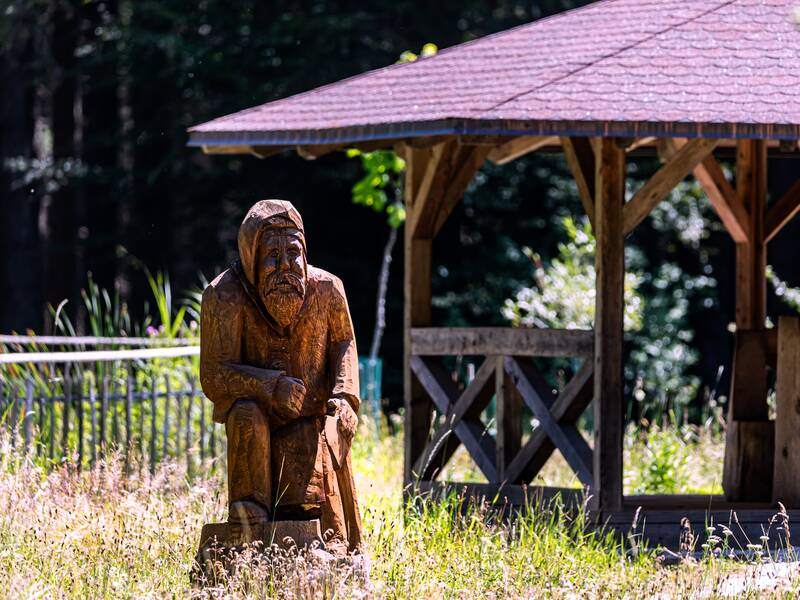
278,360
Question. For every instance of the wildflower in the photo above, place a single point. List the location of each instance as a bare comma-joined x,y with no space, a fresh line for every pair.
151,331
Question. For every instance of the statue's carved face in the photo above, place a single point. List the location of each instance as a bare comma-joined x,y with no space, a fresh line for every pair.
281,275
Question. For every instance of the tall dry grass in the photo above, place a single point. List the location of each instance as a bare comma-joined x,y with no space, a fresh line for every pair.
99,534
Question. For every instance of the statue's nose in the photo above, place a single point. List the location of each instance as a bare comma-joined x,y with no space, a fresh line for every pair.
284,262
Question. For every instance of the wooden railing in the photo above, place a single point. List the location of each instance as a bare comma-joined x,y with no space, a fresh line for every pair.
508,375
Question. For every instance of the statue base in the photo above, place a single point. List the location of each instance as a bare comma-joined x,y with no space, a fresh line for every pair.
221,543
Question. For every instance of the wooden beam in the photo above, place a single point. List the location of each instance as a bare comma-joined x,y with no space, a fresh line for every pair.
723,198
664,180
751,257
467,163
416,313
786,480
421,211
640,143
608,338
783,211
580,159
747,469
508,416
565,437
477,440
749,383
718,190
567,408
466,407
520,146
482,341
448,172
532,497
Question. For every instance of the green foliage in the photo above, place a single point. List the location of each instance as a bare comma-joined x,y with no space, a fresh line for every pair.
658,297
171,321
789,295
663,464
383,171
564,292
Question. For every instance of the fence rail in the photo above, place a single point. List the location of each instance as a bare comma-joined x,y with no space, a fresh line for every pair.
78,420
61,340
78,407
144,403
98,355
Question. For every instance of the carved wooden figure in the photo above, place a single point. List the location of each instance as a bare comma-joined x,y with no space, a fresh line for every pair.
278,360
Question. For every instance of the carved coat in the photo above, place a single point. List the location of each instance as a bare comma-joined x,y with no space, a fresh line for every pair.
320,349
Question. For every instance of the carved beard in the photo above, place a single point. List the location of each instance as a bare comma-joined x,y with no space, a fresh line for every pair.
283,294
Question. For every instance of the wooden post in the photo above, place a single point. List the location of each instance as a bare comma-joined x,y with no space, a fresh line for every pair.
104,416
203,434
65,415
165,424
80,421
748,467
608,329
128,424
786,480
52,441
417,314
189,402
508,418
93,418
751,257
28,419
153,422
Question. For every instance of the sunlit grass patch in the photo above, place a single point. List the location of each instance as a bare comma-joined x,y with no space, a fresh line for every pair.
100,534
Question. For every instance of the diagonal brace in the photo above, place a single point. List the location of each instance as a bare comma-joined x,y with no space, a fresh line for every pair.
460,414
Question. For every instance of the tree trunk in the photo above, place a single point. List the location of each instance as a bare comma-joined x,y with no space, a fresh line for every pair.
21,295
60,222
380,302
99,153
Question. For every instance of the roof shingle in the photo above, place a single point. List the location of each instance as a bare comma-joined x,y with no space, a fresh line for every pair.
714,68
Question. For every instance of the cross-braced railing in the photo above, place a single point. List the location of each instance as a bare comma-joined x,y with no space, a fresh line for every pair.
509,375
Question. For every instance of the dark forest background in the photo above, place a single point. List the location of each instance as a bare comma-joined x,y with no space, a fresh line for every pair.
95,99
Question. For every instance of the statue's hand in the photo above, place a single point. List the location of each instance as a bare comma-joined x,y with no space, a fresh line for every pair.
287,404
347,421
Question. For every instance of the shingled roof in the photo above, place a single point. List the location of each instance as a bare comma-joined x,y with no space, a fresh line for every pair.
697,68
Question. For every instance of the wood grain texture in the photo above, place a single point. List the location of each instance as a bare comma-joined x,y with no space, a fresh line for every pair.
464,341
563,435
519,146
749,379
751,257
718,190
748,464
580,159
608,339
508,417
783,211
749,447
277,358
786,480
470,431
566,408
416,313
664,180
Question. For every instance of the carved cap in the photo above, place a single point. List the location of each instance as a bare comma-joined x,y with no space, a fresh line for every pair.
263,216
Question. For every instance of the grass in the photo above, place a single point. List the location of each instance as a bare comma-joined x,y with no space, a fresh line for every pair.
99,534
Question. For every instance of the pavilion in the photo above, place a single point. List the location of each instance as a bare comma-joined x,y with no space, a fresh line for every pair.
685,80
